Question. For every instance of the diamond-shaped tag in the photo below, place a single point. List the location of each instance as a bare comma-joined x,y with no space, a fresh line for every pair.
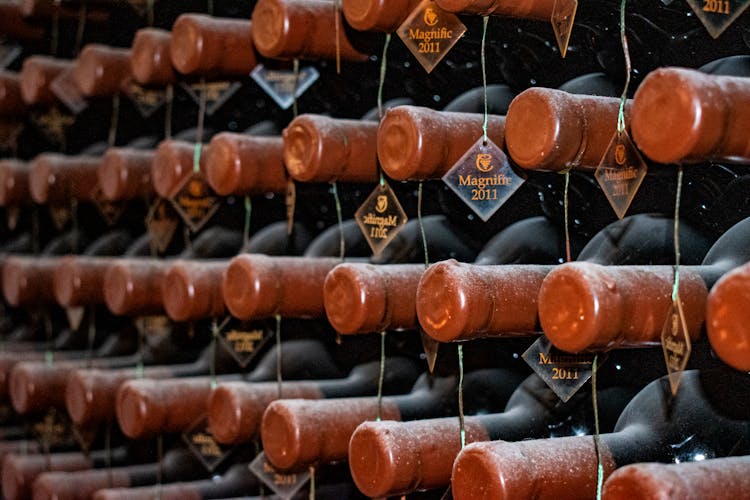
195,201
203,445
12,214
430,32
53,429
217,93
563,17
282,85
9,133
147,101
85,436
563,372
64,87
60,215
150,326
284,485
483,178
161,224
111,211
621,172
675,342
243,339
717,15
430,347
53,124
8,54
75,317
380,217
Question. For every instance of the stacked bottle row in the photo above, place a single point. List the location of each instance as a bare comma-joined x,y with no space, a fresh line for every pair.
143,354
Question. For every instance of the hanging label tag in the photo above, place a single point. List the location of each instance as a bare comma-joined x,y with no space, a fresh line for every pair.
64,87
380,217
717,15
203,445
283,85
111,211
53,124
75,317
146,101
430,349
12,214
217,93
150,326
85,436
483,178
161,224
430,32
53,429
8,54
284,485
675,342
563,372
9,133
563,17
195,202
61,215
621,172
243,339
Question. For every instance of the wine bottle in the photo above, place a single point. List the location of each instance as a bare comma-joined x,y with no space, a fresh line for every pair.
406,133
725,311
258,286
385,16
147,407
550,129
457,301
37,74
173,164
419,454
56,178
125,174
100,70
322,149
11,101
287,29
210,46
655,426
703,121
718,478
176,463
607,307
150,59
534,9
191,290
235,409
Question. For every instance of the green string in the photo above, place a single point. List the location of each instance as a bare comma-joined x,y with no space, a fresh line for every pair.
381,83
461,394
311,495
114,121
628,68
421,225
676,285
342,244
599,466
295,66
150,12
197,157
278,353
381,376
485,19
246,229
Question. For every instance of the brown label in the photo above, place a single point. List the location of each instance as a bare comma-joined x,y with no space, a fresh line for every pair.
54,124
621,172
9,134
217,93
147,101
195,202
111,211
153,325
203,445
284,485
563,17
12,215
243,339
161,223
53,429
61,215
380,217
